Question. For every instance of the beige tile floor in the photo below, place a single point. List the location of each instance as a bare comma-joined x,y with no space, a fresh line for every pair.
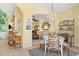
5,50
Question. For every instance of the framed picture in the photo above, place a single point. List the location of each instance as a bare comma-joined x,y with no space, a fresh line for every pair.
28,25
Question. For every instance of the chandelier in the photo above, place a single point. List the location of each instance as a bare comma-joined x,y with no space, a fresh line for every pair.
52,16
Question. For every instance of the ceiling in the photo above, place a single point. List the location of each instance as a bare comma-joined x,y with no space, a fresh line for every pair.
47,6
56,7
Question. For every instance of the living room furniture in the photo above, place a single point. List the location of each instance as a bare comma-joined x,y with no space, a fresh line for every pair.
14,40
66,28
41,35
35,35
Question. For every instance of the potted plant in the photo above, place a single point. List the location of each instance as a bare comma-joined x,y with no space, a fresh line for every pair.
3,24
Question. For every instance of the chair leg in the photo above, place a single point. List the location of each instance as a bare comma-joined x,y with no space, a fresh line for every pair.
49,51
58,53
45,50
68,51
14,45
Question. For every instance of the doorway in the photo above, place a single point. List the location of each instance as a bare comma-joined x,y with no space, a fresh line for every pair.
37,21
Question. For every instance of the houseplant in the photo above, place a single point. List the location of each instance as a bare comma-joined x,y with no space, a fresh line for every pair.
3,24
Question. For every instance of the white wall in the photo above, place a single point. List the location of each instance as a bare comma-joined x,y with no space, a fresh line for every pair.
28,11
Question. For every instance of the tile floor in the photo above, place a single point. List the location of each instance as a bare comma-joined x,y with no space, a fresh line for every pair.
5,50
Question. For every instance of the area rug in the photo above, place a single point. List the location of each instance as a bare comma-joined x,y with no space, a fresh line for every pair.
40,52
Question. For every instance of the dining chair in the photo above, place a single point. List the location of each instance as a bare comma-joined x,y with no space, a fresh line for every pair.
44,41
14,40
56,43
53,43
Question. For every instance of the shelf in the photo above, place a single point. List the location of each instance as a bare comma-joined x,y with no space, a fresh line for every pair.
67,26
65,30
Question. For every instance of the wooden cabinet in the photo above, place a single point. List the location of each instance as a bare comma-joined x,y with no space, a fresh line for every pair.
35,35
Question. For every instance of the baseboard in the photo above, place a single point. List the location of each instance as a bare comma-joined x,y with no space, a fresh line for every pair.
27,46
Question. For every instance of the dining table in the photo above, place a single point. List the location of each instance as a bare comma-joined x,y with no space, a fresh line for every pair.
61,41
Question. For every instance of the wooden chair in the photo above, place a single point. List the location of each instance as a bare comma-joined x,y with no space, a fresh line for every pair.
11,38
17,40
53,43
14,40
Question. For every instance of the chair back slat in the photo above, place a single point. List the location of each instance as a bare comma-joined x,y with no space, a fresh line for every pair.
53,40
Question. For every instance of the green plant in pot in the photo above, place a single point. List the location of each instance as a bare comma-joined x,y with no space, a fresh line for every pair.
3,21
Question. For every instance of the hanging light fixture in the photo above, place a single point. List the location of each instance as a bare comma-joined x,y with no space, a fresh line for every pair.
52,16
